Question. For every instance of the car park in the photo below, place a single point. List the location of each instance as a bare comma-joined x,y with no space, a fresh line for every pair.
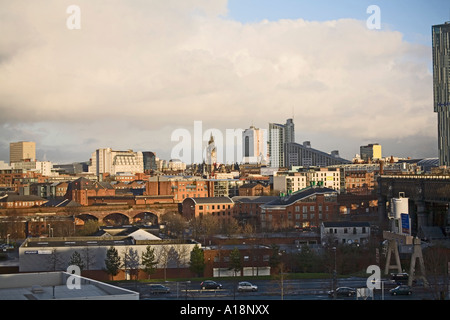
247,286
158,288
401,290
343,291
210,284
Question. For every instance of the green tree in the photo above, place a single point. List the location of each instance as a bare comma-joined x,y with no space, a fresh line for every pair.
235,261
75,259
275,258
131,263
149,261
197,262
112,262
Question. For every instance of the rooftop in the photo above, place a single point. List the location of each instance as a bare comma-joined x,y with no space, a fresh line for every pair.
54,285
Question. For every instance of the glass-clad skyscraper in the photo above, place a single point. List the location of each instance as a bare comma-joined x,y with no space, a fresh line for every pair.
441,88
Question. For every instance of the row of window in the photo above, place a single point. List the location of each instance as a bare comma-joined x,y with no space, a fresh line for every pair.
297,216
246,258
353,230
215,207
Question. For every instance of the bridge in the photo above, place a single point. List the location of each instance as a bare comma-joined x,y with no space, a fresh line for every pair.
429,198
37,220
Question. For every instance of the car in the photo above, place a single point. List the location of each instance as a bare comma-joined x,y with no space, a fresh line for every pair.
210,284
399,278
158,288
343,291
246,286
402,289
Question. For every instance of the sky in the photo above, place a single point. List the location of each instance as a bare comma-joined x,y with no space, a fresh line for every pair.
134,74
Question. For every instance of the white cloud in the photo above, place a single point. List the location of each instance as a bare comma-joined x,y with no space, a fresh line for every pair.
138,70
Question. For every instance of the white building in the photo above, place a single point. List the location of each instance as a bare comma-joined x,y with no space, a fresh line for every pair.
254,145
110,161
290,182
176,165
279,136
345,232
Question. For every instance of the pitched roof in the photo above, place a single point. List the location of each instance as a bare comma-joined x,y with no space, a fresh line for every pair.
345,224
212,200
299,195
254,199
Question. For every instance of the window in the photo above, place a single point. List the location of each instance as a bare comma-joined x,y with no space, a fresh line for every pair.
200,207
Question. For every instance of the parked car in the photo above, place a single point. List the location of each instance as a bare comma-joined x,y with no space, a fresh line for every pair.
159,288
247,286
209,284
343,291
402,289
399,278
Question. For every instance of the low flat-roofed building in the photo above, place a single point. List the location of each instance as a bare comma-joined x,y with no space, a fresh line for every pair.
59,286
55,253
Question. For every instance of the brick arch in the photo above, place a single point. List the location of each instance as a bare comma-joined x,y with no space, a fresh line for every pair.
146,217
122,218
131,214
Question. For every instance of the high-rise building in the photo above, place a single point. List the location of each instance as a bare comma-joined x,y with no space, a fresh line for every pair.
441,88
371,152
110,161
23,150
279,135
254,145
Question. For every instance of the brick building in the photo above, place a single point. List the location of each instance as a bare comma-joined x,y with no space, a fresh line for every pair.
179,188
303,209
220,207
254,189
247,209
82,189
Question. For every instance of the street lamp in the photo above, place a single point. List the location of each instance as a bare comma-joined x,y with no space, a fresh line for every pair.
334,274
7,239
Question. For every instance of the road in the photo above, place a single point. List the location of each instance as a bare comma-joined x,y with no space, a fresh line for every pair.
311,289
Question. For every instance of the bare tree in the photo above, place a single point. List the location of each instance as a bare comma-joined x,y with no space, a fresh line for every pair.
131,262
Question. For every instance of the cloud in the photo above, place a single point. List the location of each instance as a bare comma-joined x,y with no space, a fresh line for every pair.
138,70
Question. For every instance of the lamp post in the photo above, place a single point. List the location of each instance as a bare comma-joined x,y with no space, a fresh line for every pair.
334,274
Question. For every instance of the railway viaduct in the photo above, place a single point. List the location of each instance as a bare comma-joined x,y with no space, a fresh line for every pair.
429,198
107,215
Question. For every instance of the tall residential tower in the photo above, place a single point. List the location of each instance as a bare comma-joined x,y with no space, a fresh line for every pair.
441,88
279,136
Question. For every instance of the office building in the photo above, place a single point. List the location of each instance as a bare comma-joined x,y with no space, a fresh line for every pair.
441,88
370,153
110,161
23,150
306,156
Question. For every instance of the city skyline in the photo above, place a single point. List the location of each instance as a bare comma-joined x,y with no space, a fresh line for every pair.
134,73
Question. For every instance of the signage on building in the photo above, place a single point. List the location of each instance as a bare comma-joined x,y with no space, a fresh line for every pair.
405,223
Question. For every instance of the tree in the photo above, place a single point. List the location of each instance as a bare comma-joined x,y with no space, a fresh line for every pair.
55,261
197,262
274,259
131,262
112,262
75,259
235,261
149,261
